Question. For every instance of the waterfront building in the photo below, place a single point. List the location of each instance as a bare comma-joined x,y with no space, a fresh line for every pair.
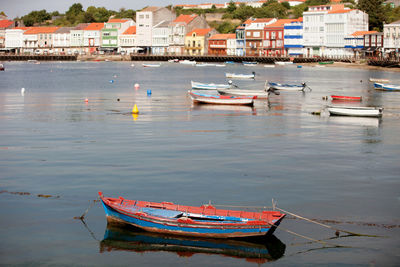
92,37
180,27
110,32
240,40
373,44
231,45
127,41
392,39
340,24
254,35
293,2
354,43
218,44
326,26
273,41
4,25
39,39
146,19
77,39
161,33
14,39
62,41
197,41
293,38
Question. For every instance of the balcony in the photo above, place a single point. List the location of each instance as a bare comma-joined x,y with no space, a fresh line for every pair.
217,46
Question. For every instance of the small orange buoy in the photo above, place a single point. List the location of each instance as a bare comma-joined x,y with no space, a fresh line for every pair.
86,100
135,110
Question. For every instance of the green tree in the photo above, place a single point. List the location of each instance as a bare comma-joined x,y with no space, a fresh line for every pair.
243,12
298,10
273,10
231,7
73,12
36,17
375,11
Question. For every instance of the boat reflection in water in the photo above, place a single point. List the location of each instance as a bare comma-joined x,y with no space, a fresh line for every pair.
132,239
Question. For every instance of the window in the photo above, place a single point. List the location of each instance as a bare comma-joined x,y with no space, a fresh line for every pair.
147,16
267,35
256,34
248,33
280,35
194,43
141,16
273,35
321,29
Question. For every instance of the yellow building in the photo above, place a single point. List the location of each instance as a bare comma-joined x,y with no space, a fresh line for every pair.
196,41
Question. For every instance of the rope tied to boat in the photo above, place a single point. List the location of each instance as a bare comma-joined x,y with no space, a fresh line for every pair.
92,202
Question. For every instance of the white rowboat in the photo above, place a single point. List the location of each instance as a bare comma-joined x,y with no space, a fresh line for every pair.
386,87
355,111
240,76
220,99
209,86
378,80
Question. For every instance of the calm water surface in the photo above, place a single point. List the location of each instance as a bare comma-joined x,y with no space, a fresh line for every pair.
343,171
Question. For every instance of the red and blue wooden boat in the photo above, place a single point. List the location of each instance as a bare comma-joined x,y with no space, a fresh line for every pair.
347,98
203,221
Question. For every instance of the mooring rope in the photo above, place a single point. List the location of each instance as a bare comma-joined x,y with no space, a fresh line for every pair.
87,210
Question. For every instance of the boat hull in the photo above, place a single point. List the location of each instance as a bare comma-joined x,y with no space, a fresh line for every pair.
221,99
286,87
239,76
355,111
209,86
347,98
120,213
240,92
386,87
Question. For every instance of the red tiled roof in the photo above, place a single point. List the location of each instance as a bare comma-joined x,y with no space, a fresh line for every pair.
36,30
117,20
130,30
22,28
361,33
340,11
281,22
94,27
223,36
5,23
185,18
250,21
199,32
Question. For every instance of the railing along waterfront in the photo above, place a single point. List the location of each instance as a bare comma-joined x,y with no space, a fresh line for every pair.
13,57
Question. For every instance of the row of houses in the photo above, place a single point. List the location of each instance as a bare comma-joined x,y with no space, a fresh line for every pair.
325,30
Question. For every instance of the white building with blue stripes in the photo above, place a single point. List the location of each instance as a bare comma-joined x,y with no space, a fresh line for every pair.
293,38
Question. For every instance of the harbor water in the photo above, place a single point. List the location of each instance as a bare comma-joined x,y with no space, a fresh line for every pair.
71,133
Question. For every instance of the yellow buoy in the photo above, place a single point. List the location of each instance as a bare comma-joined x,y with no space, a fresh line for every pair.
135,110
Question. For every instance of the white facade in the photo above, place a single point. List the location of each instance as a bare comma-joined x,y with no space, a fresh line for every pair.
293,38
127,43
231,47
14,38
30,42
391,35
160,41
339,25
91,38
314,31
76,39
144,20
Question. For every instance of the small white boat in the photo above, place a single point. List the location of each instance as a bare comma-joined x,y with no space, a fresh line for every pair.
378,80
269,66
187,62
205,65
386,87
355,111
220,65
209,86
151,65
249,63
221,99
282,63
244,92
173,60
241,76
287,87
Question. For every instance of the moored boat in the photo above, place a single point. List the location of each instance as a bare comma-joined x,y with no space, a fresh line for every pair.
326,62
378,80
2,67
221,99
250,63
203,221
244,92
187,62
386,87
151,65
269,66
347,98
282,63
355,111
209,86
287,87
240,76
